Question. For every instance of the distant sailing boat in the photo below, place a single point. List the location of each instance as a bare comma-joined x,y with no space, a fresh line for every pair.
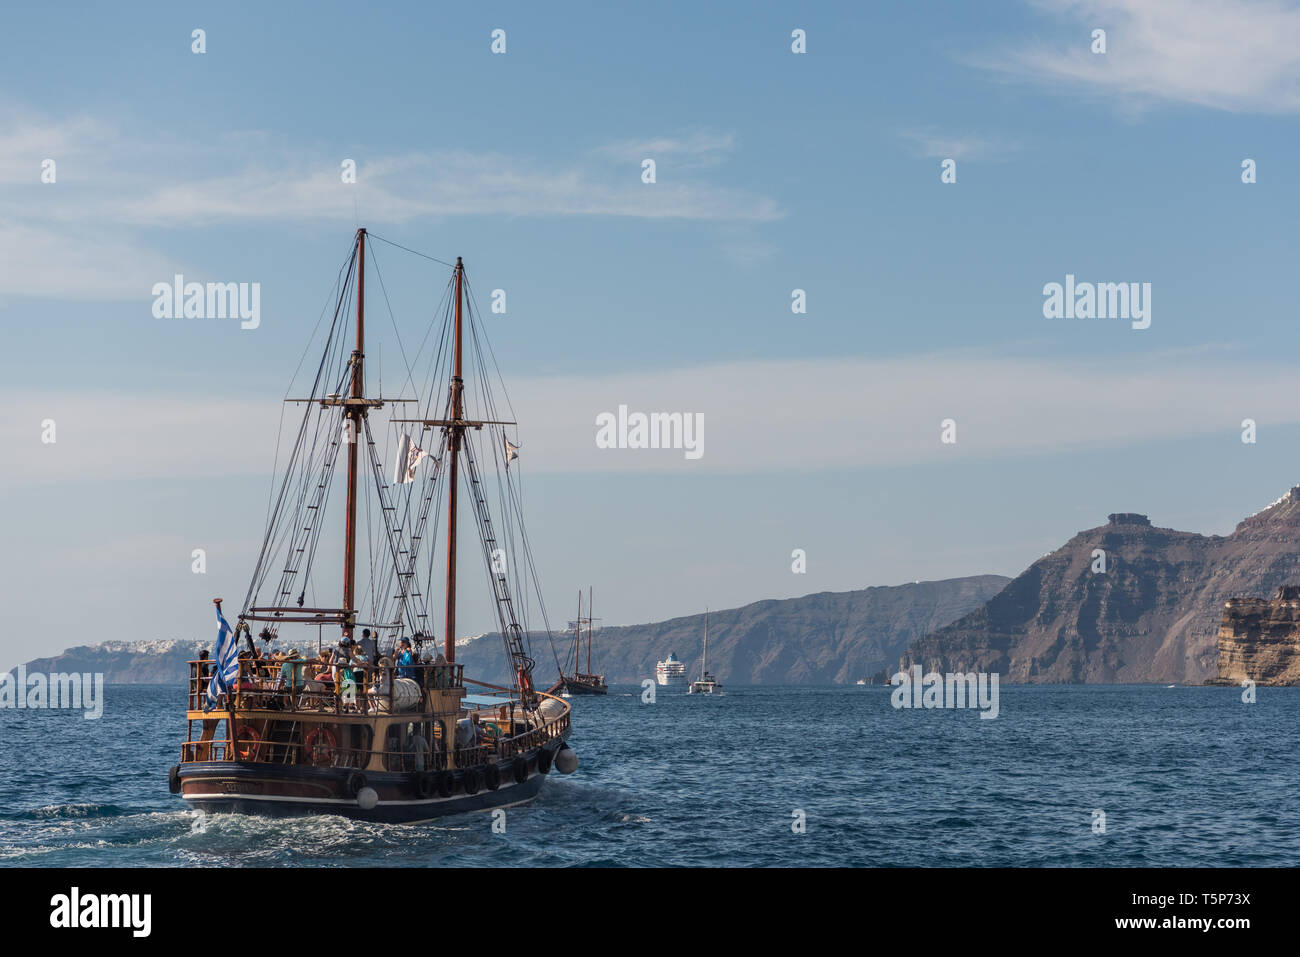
379,728
707,684
579,682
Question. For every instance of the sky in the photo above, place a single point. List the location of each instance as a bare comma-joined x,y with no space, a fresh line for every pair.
775,171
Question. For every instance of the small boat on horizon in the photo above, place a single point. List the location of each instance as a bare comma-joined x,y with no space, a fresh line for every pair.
577,682
706,683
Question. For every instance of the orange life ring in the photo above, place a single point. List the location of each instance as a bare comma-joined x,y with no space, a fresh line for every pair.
525,681
249,742
320,747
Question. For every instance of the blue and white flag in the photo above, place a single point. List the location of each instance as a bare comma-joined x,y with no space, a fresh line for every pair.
226,656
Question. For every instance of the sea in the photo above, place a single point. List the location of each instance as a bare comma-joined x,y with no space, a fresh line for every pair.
752,777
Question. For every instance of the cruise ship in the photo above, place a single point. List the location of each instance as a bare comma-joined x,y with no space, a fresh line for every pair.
671,672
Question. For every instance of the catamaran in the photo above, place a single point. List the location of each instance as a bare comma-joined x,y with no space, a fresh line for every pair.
706,683
378,728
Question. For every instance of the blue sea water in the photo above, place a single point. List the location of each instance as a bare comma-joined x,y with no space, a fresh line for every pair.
1185,776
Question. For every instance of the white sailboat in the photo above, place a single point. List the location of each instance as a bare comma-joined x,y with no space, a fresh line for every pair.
706,684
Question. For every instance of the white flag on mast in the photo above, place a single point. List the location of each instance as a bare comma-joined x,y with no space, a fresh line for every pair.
409,456
512,451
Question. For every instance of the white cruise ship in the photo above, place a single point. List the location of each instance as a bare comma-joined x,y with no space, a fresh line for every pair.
670,672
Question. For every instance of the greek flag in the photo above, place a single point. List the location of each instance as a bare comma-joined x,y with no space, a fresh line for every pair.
226,656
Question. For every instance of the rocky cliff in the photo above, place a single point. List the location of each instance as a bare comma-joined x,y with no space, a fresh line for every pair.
127,662
1123,602
1259,639
825,638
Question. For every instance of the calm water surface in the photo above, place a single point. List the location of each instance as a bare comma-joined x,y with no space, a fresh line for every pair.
1185,776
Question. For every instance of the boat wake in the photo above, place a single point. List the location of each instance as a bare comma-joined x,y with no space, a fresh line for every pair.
68,812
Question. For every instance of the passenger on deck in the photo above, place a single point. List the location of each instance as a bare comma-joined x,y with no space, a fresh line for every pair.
369,644
293,673
467,731
405,659
345,679
204,675
313,689
360,672
323,667
247,676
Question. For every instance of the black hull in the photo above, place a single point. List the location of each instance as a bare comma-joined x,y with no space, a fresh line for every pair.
226,787
572,689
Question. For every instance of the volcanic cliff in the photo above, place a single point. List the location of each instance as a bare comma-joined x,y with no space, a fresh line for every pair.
1259,639
1150,613
823,638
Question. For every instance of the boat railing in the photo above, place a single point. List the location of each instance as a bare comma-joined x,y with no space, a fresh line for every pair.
286,740
213,749
257,749
473,756
311,685
556,727
410,761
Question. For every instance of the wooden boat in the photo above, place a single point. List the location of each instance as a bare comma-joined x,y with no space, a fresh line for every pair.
575,682
377,730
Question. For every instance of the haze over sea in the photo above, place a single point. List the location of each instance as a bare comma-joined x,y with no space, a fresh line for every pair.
1185,776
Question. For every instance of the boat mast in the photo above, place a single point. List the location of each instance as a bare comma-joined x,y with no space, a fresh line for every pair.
577,634
457,430
589,621
353,413
704,665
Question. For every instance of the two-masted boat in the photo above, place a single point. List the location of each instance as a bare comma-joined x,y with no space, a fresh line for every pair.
572,681
383,726
705,683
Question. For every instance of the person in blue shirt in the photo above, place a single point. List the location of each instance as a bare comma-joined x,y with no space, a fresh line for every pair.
405,659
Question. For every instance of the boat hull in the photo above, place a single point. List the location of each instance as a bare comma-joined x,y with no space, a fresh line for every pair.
573,688
238,787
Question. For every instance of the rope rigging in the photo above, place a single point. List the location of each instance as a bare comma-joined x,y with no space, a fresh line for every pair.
399,582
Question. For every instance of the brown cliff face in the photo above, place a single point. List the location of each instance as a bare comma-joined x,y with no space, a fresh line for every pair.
823,638
1259,639
1151,616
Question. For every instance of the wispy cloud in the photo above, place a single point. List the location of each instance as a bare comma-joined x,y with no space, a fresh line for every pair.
91,263
850,414
1235,55
936,145
695,150
111,182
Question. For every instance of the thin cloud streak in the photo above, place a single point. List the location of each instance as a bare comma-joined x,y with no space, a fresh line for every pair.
769,416
935,145
85,235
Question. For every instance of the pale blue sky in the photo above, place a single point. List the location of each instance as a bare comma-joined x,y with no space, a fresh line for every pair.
775,172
